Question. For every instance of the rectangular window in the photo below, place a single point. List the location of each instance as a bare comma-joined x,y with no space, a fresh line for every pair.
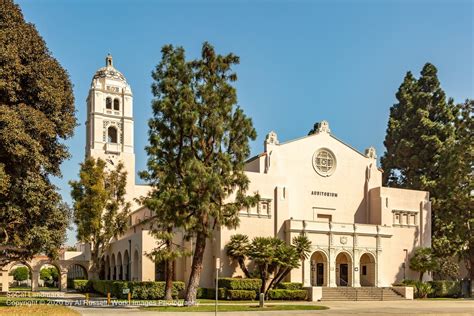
324,217
364,270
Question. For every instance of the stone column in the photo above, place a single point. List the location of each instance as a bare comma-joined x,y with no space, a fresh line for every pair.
378,255
356,260
34,280
356,269
332,268
306,272
63,280
5,280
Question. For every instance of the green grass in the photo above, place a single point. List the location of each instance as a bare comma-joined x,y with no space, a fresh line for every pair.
233,308
19,289
29,289
210,301
48,289
37,310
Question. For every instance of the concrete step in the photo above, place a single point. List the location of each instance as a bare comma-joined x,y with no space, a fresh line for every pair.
360,294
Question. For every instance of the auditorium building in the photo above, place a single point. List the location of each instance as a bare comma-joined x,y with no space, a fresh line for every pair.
362,233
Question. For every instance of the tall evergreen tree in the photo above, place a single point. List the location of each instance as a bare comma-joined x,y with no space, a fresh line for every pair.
199,140
419,126
453,232
100,209
36,115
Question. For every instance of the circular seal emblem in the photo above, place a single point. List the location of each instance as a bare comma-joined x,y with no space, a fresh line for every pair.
324,162
343,240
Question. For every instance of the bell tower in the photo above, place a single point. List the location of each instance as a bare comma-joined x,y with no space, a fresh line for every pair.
109,125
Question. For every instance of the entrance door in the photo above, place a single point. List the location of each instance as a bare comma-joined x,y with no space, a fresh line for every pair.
343,274
320,274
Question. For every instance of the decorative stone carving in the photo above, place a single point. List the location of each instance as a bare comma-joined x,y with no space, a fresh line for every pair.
271,138
323,127
109,71
324,162
371,153
343,240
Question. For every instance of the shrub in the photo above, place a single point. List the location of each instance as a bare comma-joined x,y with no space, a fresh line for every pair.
82,286
290,286
293,295
445,289
240,284
102,286
153,289
420,289
234,295
201,292
139,290
211,293
423,290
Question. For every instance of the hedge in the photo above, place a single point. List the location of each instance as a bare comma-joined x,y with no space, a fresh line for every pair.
290,286
240,284
221,294
293,295
445,289
234,295
82,286
139,290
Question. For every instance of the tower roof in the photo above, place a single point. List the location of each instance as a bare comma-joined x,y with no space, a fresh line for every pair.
109,71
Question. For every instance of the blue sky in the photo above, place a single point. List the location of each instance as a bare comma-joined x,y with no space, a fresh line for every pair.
301,61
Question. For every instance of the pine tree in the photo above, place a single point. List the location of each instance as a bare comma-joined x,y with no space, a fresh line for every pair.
100,209
453,233
419,126
36,115
199,140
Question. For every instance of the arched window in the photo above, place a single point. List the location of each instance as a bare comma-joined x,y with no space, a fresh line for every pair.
116,104
112,135
108,103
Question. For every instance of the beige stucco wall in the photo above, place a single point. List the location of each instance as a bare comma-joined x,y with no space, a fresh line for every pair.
346,211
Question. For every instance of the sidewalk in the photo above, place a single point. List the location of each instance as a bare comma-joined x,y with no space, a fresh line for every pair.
349,308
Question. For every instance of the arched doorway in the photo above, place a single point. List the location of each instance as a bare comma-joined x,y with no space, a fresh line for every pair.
20,277
319,269
135,264
107,268
367,270
343,269
75,272
119,266
126,269
114,268
102,271
49,278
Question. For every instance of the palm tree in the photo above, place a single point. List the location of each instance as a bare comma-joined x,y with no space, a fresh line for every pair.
302,247
237,250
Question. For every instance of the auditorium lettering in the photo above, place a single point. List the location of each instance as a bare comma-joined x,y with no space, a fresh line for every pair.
322,193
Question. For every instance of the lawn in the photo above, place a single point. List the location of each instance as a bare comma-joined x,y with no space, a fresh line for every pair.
11,289
32,307
234,308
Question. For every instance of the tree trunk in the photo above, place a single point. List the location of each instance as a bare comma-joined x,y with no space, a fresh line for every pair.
421,276
279,277
95,268
471,263
169,271
196,268
244,268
